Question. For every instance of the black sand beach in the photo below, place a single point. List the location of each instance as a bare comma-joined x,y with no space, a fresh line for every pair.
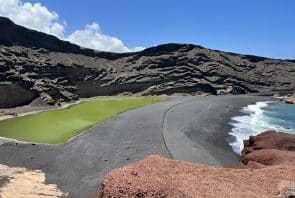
193,129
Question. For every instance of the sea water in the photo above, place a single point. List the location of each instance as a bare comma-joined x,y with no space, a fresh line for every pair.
260,117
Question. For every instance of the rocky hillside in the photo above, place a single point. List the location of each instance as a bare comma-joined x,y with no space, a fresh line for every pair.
37,66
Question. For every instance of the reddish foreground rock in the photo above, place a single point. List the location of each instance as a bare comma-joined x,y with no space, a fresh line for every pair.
268,170
270,140
268,148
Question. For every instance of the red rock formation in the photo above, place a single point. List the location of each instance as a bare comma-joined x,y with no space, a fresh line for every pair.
156,176
270,140
268,148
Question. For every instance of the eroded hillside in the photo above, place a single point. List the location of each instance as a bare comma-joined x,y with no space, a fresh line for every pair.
34,65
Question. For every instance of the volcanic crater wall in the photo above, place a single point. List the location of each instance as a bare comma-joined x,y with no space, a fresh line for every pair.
34,64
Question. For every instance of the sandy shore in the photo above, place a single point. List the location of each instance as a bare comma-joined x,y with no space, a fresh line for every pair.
20,182
186,128
196,130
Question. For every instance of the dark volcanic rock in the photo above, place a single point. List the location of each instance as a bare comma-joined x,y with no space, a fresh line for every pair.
11,34
15,95
65,71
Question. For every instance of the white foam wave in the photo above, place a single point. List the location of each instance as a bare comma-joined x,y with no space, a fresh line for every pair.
252,123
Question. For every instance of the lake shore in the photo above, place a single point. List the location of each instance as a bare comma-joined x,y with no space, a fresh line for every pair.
133,135
69,120
8,113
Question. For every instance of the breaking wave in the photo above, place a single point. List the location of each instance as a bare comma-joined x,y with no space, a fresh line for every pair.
260,117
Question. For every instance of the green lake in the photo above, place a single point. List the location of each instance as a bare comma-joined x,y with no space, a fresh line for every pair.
58,126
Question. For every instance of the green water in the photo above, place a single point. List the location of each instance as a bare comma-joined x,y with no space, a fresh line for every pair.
58,126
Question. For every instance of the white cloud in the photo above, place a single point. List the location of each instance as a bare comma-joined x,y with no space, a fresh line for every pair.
38,17
92,37
33,16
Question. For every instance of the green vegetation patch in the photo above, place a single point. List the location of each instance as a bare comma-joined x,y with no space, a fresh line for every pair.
58,126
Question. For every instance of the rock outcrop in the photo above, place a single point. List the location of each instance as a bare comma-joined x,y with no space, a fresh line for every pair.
45,67
291,100
267,170
268,148
269,140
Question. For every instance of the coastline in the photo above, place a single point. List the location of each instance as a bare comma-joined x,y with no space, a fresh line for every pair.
116,142
200,136
269,115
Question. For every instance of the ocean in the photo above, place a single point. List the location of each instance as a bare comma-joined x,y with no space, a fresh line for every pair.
260,117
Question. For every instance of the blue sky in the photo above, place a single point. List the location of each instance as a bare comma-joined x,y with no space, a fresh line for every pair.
260,27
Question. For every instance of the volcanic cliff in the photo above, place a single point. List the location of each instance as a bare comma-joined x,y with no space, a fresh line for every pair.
37,66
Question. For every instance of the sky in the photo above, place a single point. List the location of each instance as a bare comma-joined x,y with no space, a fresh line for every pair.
257,27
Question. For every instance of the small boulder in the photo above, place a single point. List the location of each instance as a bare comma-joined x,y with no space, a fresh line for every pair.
286,189
291,100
